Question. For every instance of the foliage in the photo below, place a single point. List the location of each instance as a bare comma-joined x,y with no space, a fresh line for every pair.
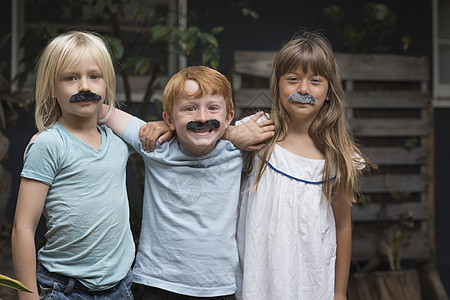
364,29
12,283
142,50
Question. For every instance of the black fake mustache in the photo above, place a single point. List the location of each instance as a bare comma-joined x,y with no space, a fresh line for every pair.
210,124
299,98
84,96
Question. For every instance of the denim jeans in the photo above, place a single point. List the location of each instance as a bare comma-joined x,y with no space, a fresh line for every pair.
54,286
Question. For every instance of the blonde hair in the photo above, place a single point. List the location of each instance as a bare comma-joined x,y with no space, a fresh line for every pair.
311,51
209,81
63,52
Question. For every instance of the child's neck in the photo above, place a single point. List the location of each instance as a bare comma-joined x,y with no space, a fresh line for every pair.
85,130
301,143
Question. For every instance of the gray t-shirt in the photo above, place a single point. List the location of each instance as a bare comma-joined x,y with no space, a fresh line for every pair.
86,209
187,243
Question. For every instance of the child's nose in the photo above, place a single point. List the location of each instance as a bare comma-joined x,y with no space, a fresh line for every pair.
303,88
83,85
202,116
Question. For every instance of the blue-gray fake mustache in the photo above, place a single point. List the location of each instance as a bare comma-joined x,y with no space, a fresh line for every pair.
299,98
84,96
210,124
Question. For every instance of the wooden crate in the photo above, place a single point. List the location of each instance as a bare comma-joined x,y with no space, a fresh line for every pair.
390,115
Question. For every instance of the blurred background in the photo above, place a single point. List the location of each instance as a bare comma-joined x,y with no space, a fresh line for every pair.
394,57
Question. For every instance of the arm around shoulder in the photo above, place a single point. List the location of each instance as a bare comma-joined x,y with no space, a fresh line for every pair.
251,135
117,120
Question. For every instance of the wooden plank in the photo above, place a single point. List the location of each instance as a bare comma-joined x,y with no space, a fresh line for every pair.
389,127
417,247
252,98
388,212
356,99
375,67
390,156
382,67
388,99
416,183
386,285
255,63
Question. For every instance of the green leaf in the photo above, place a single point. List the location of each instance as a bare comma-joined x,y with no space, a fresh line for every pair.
206,55
116,46
160,32
210,39
12,283
142,66
217,30
190,45
180,34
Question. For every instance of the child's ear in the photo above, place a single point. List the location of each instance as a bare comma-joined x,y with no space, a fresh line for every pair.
169,121
230,118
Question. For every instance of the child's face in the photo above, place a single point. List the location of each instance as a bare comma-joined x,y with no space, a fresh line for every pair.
187,109
299,82
86,77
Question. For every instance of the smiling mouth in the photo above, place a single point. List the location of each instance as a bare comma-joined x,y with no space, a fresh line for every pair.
203,132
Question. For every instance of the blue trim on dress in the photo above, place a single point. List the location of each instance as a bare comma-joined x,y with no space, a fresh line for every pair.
298,179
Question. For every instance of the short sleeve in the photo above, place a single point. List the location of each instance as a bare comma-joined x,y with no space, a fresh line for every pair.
247,118
131,134
42,158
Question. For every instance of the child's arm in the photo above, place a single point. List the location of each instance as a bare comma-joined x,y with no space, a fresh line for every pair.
152,132
117,121
251,135
342,217
30,203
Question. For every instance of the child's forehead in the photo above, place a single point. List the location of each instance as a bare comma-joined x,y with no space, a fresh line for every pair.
85,60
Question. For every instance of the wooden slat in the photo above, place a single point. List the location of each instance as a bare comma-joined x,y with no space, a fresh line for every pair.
388,211
394,183
417,248
388,99
376,67
256,63
389,156
356,99
253,98
382,67
389,127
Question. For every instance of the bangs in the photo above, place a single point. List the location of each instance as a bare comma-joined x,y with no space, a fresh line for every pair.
306,58
71,59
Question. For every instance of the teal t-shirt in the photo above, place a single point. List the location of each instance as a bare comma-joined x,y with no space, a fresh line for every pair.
187,243
86,209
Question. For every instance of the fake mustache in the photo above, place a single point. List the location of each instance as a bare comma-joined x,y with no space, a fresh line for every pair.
299,98
210,124
84,96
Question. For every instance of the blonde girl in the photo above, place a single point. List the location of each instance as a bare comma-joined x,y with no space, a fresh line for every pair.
294,229
74,174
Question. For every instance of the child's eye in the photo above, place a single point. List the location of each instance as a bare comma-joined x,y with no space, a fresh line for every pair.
189,108
69,78
213,107
95,76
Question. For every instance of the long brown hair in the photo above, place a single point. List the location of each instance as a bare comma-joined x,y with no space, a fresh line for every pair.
311,51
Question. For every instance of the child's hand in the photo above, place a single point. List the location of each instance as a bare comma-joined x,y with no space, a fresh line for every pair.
251,135
152,131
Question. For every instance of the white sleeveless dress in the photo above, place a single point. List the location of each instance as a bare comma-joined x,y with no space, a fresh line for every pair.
286,233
